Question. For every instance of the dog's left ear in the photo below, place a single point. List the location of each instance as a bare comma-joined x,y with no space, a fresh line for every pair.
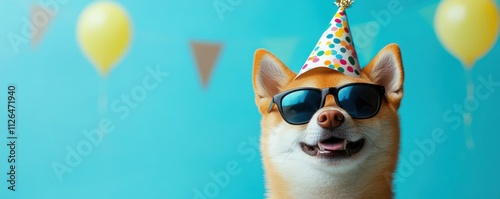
386,69
270,75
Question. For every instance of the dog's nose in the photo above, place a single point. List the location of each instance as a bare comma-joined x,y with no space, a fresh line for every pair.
330,119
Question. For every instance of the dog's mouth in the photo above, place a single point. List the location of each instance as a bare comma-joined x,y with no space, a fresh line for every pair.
334,148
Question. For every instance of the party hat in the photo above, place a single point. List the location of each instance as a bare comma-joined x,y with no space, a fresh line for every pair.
335,48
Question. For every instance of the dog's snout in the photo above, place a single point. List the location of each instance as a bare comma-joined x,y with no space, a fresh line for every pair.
330,119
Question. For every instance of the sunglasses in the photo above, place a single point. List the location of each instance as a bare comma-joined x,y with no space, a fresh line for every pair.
359,100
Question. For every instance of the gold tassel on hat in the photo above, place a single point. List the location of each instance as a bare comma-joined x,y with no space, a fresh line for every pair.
344,3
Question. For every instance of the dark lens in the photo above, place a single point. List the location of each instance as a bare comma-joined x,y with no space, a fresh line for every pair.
299,106
360,101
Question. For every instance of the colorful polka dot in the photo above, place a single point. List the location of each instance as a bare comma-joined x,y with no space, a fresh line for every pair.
339,25
350,69
356,71
339,56
321,53
329,36
343,50
343,62
348,39
337,20
305,66
316,59
336,40
351,60
327,62
340,69
332,46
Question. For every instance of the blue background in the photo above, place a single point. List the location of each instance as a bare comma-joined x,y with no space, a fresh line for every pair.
181,132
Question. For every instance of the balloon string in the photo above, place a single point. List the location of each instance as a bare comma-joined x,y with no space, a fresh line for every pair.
469,141
103,99
103,111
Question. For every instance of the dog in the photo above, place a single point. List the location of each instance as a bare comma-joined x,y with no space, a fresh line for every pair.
334,154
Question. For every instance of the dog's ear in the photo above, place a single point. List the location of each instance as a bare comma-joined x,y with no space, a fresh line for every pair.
386,69
270,75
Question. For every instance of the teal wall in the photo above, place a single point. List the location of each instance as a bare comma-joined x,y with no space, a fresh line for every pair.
171,143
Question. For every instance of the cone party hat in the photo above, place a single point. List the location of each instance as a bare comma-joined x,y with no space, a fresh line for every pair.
335,48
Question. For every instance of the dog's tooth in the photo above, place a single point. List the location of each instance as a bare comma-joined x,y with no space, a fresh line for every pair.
320,147
324,152
345,144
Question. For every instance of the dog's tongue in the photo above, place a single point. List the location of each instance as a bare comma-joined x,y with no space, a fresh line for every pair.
332,144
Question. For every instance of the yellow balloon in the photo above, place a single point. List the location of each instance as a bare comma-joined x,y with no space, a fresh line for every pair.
104,31
468,29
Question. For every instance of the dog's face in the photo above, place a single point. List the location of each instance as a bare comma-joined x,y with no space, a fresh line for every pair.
332,143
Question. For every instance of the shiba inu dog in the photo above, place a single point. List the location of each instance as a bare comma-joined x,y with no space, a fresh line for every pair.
328,135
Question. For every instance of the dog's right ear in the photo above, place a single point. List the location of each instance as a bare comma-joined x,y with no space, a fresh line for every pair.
386,69
270,75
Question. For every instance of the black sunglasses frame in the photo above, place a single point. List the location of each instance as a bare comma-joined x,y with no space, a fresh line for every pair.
334,91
